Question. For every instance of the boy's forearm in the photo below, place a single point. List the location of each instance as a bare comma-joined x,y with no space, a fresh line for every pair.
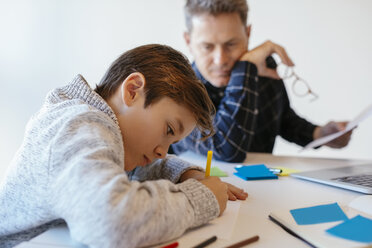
171,168
195,174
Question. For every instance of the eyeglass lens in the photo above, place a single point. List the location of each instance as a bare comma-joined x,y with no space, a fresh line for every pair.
299,86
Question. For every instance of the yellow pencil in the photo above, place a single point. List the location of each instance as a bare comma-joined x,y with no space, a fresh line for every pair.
209,161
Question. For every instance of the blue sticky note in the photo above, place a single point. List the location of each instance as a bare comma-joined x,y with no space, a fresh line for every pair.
318,214
254,172
357,229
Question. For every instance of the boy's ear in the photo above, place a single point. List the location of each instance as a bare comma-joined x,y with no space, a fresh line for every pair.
132,88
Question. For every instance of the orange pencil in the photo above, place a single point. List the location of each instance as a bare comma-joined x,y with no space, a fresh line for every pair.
172,245
244,242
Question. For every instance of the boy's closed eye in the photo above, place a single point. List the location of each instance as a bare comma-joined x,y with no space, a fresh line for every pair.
170,130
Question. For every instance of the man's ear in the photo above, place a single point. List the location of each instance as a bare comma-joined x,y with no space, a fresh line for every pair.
186,36
248,30
132,88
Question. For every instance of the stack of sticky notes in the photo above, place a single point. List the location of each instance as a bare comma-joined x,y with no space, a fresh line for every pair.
318,214
254,172
217,172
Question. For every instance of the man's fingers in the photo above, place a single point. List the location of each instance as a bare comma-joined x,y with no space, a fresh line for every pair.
284,56
341,141
275,48
259,54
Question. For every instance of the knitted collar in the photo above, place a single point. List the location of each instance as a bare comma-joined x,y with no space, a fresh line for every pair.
80,89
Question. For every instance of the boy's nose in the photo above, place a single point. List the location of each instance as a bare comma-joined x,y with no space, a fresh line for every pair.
160,152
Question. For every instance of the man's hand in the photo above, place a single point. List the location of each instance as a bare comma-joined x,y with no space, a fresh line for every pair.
259,54
333,127
219,189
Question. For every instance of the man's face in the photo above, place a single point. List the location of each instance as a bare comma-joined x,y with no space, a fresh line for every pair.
217,43
148,132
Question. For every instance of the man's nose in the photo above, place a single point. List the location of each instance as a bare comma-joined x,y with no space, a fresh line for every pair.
160,152
220,57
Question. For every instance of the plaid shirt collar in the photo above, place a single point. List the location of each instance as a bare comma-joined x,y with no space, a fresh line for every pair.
215,93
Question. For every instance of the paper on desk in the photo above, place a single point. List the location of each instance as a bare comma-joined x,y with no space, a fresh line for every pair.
352,124
222,226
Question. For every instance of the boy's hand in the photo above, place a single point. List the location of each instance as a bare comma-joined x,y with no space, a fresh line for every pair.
219,189
233,192
236,193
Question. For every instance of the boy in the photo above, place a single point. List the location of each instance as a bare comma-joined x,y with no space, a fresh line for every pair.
97,158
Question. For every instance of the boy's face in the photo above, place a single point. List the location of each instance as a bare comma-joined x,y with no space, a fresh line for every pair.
217,43
148,132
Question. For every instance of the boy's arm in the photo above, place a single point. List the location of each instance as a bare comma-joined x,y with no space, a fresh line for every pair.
235,119
102,207
170,168
178,171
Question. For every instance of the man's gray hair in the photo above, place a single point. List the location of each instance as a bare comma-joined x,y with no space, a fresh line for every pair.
215,7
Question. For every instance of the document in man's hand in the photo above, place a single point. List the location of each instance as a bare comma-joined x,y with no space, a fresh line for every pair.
352,124
328,234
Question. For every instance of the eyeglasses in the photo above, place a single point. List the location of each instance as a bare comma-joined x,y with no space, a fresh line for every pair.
299,86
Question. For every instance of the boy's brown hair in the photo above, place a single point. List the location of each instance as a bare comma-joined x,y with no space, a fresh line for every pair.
215,7
168,74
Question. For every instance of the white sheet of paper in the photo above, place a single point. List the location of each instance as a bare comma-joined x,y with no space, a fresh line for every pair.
55,237
222,226
352,124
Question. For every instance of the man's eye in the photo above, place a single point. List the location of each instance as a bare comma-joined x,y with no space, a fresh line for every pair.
170,131
207,47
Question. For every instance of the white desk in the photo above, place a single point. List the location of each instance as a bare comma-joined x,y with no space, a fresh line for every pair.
264,197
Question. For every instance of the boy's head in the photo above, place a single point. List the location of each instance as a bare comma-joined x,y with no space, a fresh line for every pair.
217,36
157,99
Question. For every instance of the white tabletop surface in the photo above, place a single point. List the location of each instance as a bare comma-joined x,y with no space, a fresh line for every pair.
264,197
267,195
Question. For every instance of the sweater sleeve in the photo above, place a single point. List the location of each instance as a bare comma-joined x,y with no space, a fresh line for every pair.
101,206
235,119
295,128
170,168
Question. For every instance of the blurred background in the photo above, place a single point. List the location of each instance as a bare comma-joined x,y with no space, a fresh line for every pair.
45,43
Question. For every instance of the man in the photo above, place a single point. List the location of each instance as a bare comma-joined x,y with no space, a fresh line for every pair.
250,98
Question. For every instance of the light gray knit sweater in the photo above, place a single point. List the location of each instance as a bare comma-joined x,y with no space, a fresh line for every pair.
71,166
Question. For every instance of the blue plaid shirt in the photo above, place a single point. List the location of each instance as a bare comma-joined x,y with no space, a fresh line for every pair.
251,112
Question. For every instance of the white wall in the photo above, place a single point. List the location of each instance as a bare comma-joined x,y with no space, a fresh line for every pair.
330,43
45,43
